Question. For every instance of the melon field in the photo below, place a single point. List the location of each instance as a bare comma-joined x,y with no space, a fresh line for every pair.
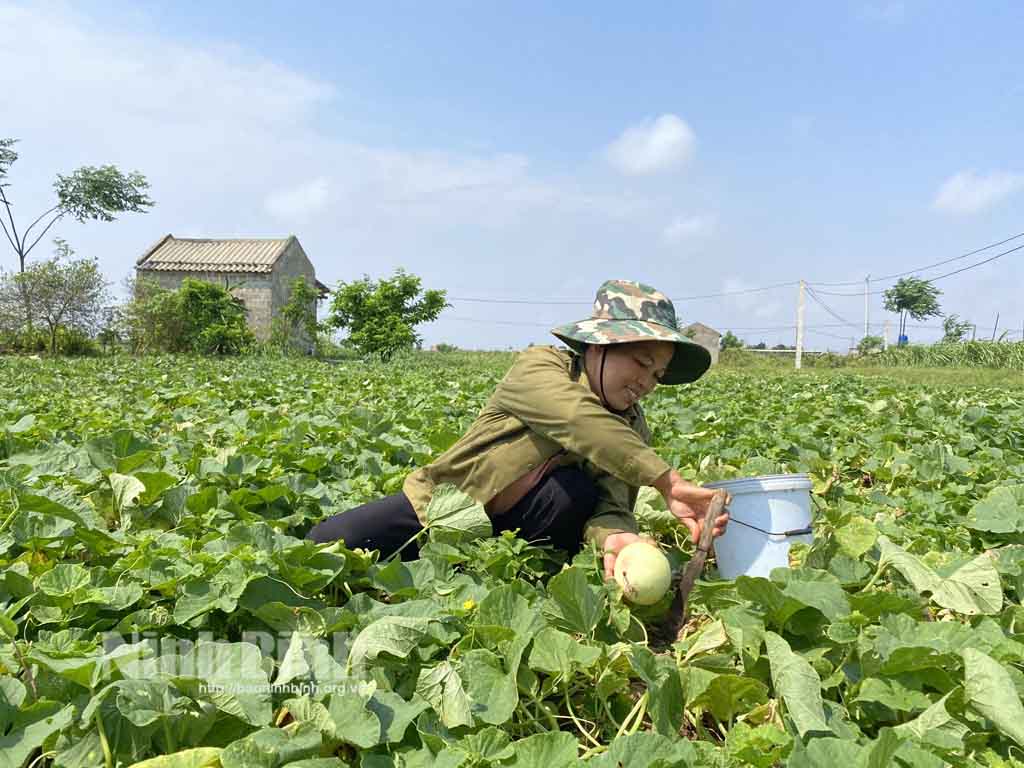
159,605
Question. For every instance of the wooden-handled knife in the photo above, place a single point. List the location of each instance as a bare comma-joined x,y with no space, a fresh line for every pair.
677,612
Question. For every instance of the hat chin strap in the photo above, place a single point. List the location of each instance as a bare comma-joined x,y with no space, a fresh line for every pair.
600,381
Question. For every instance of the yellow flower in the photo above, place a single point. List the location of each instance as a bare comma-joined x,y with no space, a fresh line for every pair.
469,605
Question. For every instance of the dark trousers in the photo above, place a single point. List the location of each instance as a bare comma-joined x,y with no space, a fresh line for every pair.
553,512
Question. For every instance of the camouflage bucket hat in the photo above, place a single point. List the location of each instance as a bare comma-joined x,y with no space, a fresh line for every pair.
625,311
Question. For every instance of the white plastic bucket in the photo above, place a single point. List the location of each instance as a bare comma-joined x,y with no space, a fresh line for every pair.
766,515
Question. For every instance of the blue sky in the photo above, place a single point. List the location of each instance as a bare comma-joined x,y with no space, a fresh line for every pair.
523,151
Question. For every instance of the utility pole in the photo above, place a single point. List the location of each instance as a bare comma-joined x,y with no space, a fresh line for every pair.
800,325
885,335
995,327
974,330
867,287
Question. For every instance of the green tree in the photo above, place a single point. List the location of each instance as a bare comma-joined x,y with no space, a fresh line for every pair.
731,341
214,321
62,291
954,329
296,325
198,317
912,297
380,317
89,193
869,345
151,320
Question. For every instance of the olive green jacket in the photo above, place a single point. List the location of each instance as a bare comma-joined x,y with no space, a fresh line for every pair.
542,406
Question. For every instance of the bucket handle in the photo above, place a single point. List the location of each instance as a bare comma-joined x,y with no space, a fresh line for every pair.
786,534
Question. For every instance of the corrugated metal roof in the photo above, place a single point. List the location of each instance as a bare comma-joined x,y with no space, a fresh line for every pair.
174,254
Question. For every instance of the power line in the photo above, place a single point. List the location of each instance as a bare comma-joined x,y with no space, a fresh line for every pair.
499,322
825,333
564,302
521,301
972,266
726,326
774,286
828,309
955,258
789,284
921,269
933,279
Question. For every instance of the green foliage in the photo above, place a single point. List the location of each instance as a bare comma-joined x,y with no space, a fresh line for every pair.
100,193
744,358
730,341
88,193
380,317
151,321
964,354
954,329
66,294
198,317
7,158
214,320
296,329
912,297
169,497
869,345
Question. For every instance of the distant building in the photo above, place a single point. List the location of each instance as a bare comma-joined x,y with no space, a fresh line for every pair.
706,336
257,271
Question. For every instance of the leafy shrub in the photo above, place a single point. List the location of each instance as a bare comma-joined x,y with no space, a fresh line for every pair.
214,320
730,341
295,329
198,317
870,344
71,341
380,316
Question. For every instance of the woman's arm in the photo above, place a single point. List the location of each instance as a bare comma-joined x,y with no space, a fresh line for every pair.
539,392
688,502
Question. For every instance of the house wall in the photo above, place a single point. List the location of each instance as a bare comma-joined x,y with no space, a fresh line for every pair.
292,263
707,338
255,291
264,295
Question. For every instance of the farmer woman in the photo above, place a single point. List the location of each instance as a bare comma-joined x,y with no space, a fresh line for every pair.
561,448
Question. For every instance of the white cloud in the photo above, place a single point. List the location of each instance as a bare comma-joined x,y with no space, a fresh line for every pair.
684,227
237,145
233,145
652,146
299,202
970,192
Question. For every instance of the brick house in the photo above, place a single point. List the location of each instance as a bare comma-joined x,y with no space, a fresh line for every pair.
257,271
706,336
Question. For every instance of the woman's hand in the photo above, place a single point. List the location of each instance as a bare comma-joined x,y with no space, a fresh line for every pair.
689,503
615,543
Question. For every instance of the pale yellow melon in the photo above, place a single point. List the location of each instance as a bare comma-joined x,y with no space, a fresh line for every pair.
643,572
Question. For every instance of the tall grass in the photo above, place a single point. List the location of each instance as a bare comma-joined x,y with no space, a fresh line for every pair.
964,354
